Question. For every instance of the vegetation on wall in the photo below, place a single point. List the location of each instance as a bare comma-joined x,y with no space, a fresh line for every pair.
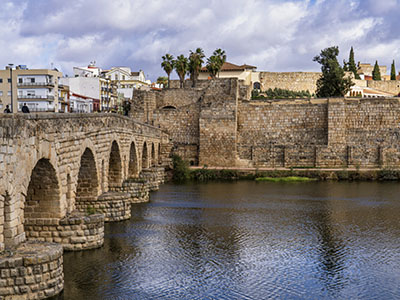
333,82
277,93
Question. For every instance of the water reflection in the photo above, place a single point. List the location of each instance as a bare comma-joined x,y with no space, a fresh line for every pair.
248,240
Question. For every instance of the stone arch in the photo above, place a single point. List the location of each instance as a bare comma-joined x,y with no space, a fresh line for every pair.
145,156
133,167
88,184
159,154
114,167
256,86
153,155
43,195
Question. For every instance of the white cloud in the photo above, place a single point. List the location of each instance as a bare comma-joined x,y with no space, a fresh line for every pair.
271,34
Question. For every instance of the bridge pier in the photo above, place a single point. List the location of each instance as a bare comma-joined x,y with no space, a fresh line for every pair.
32,271
74,232
153,177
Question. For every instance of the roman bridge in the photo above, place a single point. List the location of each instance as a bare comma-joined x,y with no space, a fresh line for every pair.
63,176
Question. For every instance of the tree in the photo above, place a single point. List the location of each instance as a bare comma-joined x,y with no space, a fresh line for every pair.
162,80
352,64
181,67
215,62
167,65
376,73
195,62
393,72
332,83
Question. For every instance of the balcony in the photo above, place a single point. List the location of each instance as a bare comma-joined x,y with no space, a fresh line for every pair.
32,98
35,84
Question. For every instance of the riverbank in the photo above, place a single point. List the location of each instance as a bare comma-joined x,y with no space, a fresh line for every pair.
349,174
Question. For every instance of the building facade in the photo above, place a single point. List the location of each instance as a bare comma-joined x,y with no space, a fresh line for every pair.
37,88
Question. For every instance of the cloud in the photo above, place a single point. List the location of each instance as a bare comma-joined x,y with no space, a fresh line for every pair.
273,35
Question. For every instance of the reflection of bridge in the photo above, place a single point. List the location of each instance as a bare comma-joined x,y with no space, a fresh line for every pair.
51,167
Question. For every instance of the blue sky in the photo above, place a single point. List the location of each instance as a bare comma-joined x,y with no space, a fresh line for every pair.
270,34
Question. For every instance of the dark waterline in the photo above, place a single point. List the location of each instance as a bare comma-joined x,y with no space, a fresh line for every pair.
248,240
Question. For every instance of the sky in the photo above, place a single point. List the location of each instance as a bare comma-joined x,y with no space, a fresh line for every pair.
272,35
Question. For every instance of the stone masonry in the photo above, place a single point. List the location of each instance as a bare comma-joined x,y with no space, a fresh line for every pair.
228,129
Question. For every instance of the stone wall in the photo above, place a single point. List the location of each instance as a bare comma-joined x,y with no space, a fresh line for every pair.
390,86
35,271
295,81
76,232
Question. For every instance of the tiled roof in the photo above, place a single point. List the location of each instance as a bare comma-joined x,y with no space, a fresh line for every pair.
227,66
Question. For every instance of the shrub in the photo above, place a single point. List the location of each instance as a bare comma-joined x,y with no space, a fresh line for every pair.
181,171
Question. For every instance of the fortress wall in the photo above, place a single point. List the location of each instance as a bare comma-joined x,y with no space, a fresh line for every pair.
294,81
182,125
265,128
390,86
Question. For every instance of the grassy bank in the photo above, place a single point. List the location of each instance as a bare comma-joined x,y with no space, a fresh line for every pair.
182,173
286,179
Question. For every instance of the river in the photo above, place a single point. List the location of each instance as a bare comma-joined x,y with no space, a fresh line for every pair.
248,240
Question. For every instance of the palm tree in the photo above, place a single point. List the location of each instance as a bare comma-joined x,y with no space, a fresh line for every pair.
195,62
167,64
215,62
181,67
220,54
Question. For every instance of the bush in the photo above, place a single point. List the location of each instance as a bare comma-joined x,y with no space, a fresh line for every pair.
181,171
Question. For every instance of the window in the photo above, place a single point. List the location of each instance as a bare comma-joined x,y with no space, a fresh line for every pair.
30,93
19,80
1,93
32,80
1,80
9,80
123,77
9,93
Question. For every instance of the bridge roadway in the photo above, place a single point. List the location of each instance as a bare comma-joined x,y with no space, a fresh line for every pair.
61,177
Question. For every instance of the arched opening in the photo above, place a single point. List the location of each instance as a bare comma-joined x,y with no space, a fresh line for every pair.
145,159
257,86
169,107
159,154
69,193
153,155
114,167
133,169
87,188
43,195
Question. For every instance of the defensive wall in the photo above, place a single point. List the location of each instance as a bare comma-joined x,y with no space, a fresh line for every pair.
61,177
218,125
294,81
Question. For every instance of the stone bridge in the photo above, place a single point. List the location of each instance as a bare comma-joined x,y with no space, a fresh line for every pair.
61,177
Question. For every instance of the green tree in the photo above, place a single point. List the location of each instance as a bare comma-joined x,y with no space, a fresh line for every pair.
376,73
332,83
181,65
162,80
167,65
352,64
195,63
393,71
215,62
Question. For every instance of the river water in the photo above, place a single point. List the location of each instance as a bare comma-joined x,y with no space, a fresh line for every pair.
248,240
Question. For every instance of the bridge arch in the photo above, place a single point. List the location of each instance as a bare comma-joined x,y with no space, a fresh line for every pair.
114,166
145,156
159,154
133,165
43,194
153,155
87,184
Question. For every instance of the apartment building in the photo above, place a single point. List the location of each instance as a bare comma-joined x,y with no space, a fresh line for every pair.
38,88
126,80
